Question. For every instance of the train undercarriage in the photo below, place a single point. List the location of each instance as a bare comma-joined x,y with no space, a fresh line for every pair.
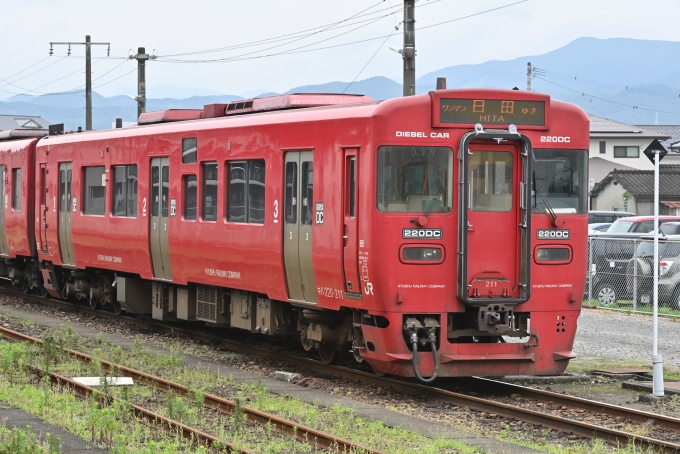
427,338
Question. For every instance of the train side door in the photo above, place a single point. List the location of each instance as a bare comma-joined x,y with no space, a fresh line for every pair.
350,250
158,221
495,237
3,235
42,214
299,217
67,206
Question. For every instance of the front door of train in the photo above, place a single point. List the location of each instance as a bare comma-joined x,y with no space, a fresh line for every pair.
3,235
67,205
494,221
158,220
299,216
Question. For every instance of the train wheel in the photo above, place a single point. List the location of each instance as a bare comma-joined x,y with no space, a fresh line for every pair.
117,308
24,286
43,292
327,353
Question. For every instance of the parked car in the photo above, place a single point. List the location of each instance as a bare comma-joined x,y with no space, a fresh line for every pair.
640,279
607,216
639,224
597,227
669,228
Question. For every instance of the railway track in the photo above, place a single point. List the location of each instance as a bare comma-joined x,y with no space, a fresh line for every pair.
289,428
553,421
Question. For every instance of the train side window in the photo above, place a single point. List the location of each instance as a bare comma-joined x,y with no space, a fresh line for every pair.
63,205
155,185
307,193
291,193
16,189
94,190
165,176
190,197
124,191
209,192
245,200
189,150
352,199
256,192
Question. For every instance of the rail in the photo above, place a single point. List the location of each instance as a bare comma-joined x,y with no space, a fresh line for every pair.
555,422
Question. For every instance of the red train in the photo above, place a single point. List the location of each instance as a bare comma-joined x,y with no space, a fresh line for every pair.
424,233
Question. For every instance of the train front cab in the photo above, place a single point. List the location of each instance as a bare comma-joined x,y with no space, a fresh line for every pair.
512,236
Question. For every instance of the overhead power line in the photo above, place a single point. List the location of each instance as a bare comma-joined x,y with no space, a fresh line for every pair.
587,81
303,49
582,93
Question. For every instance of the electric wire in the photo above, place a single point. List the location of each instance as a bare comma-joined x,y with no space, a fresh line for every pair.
28,75
303,50
368,62
73,90
586,81
294,34
582,93
240,57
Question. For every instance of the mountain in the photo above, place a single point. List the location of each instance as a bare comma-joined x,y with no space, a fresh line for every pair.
629,80
376,87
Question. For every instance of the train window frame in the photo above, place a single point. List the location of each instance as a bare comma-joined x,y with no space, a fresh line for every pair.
186,198
446,198
406,261
130,204
90,176
578,191
553,262
214,204
16,189
189,150
244,191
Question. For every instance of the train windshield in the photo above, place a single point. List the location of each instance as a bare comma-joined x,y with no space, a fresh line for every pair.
415,179
558,181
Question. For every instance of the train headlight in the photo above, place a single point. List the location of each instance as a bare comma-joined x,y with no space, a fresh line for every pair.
553,255
422,254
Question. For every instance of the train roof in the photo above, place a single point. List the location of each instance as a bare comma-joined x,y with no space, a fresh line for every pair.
291,108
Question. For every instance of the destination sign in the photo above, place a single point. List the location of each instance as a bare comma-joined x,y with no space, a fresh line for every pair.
491,111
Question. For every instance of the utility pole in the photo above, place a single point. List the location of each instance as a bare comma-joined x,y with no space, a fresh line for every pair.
409,51
141,58
88,72
529,71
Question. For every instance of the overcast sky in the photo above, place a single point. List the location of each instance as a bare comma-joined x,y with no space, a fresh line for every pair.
171,27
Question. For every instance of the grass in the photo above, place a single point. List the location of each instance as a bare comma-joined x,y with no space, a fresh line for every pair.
339,421
92,422
20,441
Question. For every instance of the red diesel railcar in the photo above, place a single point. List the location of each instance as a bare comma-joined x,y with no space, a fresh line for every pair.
440,234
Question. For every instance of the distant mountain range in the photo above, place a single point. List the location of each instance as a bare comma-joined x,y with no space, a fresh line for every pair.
587,71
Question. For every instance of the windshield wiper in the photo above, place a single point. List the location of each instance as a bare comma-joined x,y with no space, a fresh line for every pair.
434,199
557,222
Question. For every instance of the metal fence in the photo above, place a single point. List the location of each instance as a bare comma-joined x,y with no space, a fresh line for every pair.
620,274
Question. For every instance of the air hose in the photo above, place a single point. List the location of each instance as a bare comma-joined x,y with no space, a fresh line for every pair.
414,340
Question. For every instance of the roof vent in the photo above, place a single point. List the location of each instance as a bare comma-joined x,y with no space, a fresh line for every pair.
292,101
170,115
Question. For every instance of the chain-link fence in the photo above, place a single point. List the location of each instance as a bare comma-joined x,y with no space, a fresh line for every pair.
620,274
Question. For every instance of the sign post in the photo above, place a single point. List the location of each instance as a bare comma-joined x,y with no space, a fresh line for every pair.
655,152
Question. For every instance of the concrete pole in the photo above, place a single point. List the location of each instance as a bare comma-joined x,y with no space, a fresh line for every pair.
529,76
141,81
409,52
657,360
88,83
